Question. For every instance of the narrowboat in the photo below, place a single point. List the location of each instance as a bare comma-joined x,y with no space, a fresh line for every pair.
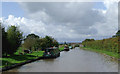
66,48
52,52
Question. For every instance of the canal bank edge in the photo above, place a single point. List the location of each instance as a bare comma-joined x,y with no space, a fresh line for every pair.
105,54
23,63
20,64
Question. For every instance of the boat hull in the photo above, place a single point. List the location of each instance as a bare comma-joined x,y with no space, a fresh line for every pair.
52,56
67,49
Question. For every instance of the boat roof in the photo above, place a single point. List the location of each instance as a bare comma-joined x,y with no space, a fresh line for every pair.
52,48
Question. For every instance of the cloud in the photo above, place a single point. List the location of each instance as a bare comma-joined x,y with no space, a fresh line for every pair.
63,12
31,26
25,25
67,21
76,16
110,26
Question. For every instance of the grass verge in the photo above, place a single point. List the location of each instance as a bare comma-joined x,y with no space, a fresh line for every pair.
112,54
11,60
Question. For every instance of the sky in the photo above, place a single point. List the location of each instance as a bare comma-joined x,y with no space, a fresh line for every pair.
65,21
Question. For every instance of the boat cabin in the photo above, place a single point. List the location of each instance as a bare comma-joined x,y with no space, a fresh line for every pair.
52,52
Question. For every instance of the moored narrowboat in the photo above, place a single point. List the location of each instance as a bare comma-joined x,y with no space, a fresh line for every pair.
66,48
52,52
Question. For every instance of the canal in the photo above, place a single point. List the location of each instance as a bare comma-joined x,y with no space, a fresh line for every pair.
75,60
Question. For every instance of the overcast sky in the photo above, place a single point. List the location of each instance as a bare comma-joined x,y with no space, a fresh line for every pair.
65,21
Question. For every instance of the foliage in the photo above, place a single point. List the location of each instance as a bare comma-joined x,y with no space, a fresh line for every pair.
102,52
20,58
36,43
11,40
76,45
31,36
48,42
110,44
55,43
14,37
4,41
89,40
29,43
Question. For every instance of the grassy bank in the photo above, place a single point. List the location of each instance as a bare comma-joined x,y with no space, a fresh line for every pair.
17,58
108,46
112,54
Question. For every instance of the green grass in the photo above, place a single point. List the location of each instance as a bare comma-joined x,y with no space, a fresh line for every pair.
20,58
102,51
20,49
110,44
37,53
61,48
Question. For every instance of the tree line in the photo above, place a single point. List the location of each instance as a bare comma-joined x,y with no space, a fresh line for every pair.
13,38
35,43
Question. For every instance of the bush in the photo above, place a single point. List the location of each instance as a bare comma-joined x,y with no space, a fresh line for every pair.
110,44
77,45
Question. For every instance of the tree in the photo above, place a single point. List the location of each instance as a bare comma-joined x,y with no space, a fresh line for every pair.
55,43
88,40
31,36
48,42
36,45
14,37
43,43
28,43
31,41
4,42
4,39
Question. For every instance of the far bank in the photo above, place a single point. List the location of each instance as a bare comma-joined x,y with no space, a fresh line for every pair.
108,46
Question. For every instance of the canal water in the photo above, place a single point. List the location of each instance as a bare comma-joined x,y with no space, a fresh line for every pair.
75,60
